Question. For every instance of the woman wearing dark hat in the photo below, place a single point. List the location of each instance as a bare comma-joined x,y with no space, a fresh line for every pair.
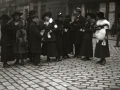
19,38
49,37
102,47
87,46
59,35
6,41
66,37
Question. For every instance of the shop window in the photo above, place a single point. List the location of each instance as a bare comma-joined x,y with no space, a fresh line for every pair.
36,9
43,9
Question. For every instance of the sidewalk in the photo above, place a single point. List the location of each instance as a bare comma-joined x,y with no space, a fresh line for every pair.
69,74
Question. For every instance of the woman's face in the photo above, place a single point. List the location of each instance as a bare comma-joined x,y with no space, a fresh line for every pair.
36,19
17,17
47,18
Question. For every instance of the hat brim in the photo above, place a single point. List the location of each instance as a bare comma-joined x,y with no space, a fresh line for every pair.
47,14
19,14
34,12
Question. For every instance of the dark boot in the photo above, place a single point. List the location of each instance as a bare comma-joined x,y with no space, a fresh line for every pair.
48,59
99,62
6,65
103,62
22,63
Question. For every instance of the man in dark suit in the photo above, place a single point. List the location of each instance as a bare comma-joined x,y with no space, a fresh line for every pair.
77,25
35,40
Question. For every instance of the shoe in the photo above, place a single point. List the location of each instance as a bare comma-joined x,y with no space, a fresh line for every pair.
6,65
75,56
87,58
83,58
48,60
78,56
68,56
99,62
22,63
16,62
103,62
116,46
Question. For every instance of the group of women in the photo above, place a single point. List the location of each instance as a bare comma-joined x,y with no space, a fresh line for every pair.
53,38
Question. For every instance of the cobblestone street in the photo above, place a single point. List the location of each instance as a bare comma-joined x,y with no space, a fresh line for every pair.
69,74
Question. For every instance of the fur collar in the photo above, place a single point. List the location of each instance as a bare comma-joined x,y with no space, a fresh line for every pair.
103,22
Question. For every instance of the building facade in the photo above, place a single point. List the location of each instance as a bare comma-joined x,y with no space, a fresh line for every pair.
10,6
52,6
111,8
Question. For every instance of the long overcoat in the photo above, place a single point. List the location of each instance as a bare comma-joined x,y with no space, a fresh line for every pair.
6,43
35,38
77,25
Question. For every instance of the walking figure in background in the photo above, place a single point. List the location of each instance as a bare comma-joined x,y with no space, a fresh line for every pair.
118,36
113,29
102,46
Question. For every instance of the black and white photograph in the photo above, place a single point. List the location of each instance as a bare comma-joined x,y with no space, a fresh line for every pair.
59,45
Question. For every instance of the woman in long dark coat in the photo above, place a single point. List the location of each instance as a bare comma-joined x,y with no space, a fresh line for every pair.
59,35
6,41
87,46
102,46
66,37
19,38
49,47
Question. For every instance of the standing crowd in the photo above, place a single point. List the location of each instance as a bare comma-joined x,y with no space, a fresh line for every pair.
31,38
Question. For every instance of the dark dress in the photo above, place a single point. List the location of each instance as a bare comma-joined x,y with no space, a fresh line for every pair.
6,43
77,25
59,37
102,51
49,47
87,46
66,38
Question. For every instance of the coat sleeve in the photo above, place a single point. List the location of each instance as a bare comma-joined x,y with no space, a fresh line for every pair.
36,32
80,23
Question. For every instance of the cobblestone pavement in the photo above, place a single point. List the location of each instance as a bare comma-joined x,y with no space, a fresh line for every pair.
69,74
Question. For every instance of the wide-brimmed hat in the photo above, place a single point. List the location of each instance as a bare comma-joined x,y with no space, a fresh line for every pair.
92,15
16,13
100,15
5,17
78,9
49,14
59,14
32,12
